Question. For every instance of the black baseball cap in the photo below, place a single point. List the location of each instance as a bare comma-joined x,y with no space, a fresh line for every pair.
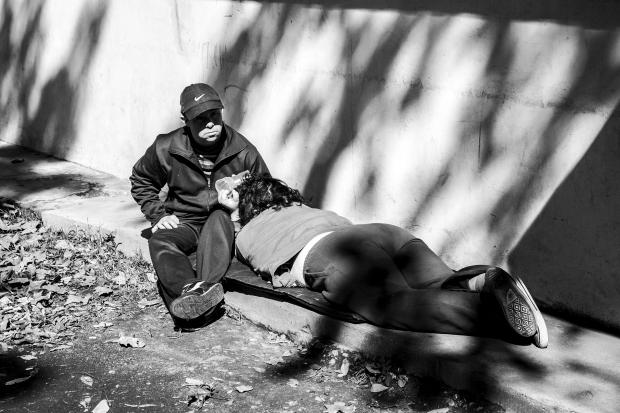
198,98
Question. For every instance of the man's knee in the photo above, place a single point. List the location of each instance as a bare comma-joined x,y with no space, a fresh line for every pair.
219,215
159,242
219,221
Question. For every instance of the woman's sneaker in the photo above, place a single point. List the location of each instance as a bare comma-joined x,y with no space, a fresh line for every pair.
518,306
196,299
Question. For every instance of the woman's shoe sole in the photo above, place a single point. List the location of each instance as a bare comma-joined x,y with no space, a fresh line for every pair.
520,310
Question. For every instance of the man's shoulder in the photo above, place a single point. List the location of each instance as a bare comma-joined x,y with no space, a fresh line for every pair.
240,141
166,141
166,138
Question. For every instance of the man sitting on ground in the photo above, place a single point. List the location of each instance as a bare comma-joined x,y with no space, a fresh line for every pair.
189,160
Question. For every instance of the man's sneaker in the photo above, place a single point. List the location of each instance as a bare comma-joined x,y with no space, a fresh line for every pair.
518,306
196,299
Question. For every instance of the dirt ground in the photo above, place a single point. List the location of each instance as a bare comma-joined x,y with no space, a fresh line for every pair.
231,365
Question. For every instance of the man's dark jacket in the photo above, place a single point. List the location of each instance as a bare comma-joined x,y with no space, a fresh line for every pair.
171,160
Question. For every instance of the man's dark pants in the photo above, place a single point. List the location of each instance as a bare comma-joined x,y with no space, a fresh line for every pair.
170,249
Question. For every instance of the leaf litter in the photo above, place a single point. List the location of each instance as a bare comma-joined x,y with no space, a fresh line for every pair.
51,282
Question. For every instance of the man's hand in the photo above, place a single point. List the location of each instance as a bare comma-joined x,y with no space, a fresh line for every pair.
229,198
166,222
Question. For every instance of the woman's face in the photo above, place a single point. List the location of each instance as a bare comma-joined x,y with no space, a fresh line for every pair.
229,198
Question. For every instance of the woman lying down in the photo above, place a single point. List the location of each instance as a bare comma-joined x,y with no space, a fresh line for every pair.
378,271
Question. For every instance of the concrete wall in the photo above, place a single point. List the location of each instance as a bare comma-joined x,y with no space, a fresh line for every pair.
488,128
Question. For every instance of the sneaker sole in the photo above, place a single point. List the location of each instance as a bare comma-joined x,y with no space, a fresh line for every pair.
193,306
542,339
521,311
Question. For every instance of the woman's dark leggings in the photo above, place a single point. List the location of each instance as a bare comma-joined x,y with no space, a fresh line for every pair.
394,280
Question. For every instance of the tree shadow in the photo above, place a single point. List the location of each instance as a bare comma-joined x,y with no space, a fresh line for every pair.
582,217
45,117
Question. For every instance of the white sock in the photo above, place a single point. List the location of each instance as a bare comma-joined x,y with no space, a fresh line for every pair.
476,283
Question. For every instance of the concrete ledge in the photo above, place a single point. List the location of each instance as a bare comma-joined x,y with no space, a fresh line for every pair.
116,215
580,371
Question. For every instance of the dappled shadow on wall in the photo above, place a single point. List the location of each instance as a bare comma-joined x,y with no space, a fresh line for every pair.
46,115
249,58
246,62
569,254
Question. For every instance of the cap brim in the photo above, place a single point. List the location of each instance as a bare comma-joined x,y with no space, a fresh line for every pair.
202,107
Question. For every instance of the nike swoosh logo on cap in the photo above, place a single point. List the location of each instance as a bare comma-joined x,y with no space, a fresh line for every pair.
198,98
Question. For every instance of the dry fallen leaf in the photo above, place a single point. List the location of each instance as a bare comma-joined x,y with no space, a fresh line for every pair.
293,382
102,407
62,244
61,347
17,381
377,388
35,285
147,303
244,388
33,372
72,299
85,402
344,368
87,380
274,361
103,291
194,382
21,280
141,405
131,342
196,396
442,410
274,338
339,407
372,369
121,278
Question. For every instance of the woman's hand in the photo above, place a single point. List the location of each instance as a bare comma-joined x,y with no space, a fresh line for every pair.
229,198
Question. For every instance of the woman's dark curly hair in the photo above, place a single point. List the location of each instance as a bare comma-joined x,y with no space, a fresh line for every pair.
258,193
